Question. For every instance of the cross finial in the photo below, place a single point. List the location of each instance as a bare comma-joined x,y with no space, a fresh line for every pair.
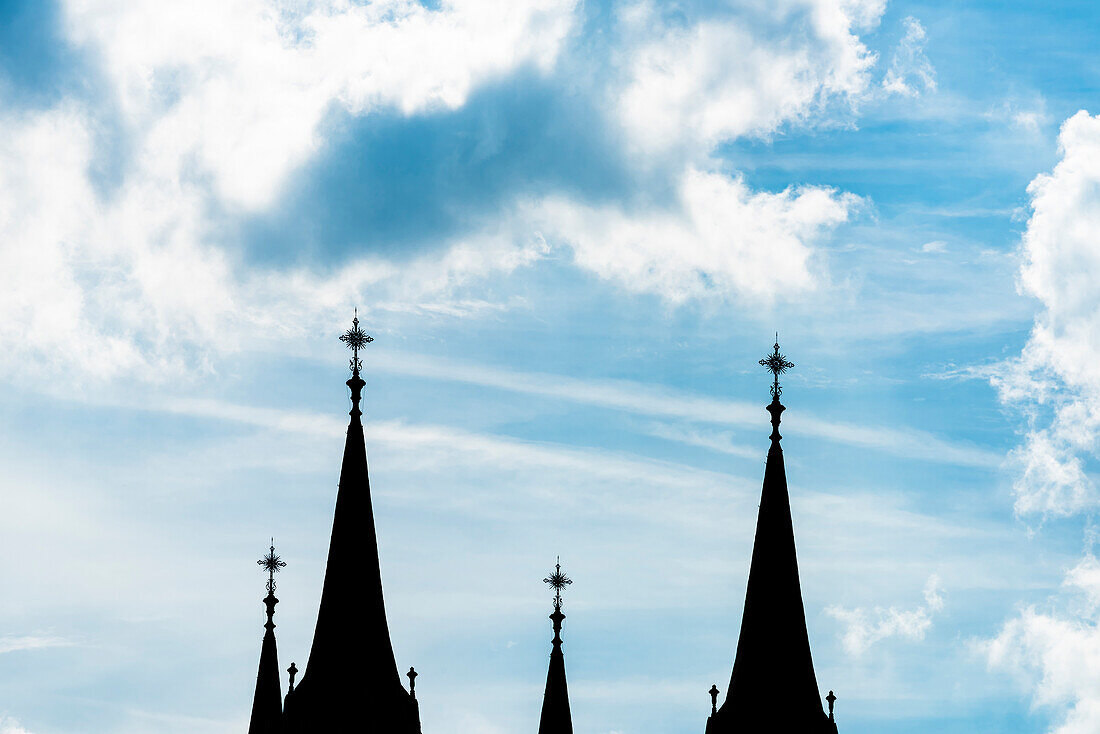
713,698
557,582
272,564
831,699
356,339
412,681
777,364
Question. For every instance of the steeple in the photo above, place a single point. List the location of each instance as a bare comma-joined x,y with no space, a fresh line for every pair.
267,703
773,686
351,681
555,701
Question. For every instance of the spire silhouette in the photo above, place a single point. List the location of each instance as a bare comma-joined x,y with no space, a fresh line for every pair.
773,686
267,702
351,681
556,718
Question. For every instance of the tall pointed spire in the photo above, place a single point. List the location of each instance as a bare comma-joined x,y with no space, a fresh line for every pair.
556,718
267,702
773,686
351,681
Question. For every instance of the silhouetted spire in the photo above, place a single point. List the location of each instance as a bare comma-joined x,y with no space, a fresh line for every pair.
555,700
267,703
351,681
773,686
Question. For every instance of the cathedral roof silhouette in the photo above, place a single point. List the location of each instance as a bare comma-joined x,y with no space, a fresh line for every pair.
351,681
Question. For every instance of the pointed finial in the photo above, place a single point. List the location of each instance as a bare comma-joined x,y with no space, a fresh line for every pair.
831,699
713,699
412,681
293,670
272,564
557,582
355,339
777,364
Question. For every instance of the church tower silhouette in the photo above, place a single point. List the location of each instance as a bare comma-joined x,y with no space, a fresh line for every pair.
773,686
351,681
556,718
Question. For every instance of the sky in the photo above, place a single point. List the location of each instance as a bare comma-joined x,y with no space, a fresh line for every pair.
572,227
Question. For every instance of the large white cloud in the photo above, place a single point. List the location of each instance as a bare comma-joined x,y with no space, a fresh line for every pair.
744,74
1056,383
221,101
1056,379
238,88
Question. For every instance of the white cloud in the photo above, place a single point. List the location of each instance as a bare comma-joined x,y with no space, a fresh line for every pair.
863,627
9,725
1055,655
239,88
910,71
721,239
743,75
1056,379
935,246
12,643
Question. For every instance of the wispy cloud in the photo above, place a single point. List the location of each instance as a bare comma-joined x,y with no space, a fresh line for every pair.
865,627
652,400
13,643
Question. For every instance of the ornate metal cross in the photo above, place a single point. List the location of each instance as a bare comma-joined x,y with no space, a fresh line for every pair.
557,582
356,339
272,564
777,364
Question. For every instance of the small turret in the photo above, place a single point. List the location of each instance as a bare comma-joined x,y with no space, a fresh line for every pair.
556,718
267,702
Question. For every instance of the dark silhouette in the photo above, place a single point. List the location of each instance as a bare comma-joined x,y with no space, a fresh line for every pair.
267,710
351,681
556,718
713,698
831,699
773,686
293,670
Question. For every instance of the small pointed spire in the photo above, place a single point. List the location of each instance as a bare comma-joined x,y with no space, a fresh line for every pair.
713,698
355,339
267,709
556,718
831,699
293,670
412,681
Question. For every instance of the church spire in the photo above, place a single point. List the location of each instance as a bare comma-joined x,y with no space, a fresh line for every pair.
351,681
773,686
267,706
556,718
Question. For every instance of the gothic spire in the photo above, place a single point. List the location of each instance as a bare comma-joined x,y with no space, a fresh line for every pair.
351,680
773,686
556,718
267,702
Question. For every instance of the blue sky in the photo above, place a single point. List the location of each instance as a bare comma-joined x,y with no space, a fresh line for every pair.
572,228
